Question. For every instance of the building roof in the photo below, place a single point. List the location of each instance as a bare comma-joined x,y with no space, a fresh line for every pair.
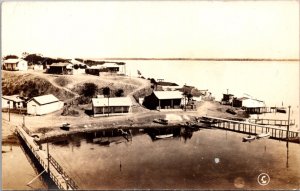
12,60
168,94
15,98
253,103
162,83
60,64
114,101
45,99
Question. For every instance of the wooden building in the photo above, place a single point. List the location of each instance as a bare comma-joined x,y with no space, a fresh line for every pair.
13,102
16,64
167,86
252,106
163,100
61,68
44,104
111,106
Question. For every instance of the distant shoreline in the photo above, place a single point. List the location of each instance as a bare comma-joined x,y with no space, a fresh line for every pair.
203,59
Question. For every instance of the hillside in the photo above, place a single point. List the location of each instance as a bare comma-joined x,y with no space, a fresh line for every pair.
65,87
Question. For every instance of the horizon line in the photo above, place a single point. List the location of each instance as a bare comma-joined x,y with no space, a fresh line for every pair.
202,59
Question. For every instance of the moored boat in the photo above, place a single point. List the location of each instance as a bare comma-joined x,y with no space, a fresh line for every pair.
263,135
164,136
161,121
249,138
281,109
65,126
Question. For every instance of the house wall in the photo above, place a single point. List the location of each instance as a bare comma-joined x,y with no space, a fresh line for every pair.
112,110
22,65
13,104
78,71
38,67
11,66
34,108
152,102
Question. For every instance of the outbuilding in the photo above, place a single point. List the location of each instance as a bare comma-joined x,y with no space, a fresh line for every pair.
13,102
163,100
111,106
42,105
252,106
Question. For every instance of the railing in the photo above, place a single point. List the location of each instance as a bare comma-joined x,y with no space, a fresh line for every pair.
60,170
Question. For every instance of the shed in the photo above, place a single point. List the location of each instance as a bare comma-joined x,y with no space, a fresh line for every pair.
44,104
14,64
113,106
61,68
252,106
78,67
163,100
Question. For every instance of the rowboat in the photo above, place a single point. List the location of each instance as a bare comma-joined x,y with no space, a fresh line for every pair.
263,135
161,121
65,126
281,110
249,138
164,136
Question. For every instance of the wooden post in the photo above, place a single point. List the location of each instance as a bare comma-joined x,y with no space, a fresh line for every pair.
288,126
48,167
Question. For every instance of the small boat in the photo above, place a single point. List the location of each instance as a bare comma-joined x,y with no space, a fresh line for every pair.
164,136
249,138
161,121
263,135
65,126
231,111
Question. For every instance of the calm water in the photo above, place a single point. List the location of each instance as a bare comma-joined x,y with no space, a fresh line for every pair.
204,159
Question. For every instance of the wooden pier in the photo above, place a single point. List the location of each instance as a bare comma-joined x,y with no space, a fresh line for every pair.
254,129
50,165
275,122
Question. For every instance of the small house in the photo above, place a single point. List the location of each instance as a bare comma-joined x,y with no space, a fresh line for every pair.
38,67
163,100
78,67
16,64
252,106
13,102
45,104
227,99
61,68
111,106
167,86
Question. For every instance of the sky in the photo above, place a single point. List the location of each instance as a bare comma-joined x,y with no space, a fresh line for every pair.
156,29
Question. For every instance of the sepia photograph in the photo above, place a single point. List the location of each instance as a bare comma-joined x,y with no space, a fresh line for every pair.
150,95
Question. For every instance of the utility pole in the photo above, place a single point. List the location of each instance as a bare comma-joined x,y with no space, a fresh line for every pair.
48,167
288,126
8,110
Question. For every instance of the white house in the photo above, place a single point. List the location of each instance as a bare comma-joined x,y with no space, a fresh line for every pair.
113,106
12,102
78,67
38,67
16,64
44,104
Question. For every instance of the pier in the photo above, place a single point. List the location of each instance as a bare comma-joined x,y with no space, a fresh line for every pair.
275,122
251,128
50,165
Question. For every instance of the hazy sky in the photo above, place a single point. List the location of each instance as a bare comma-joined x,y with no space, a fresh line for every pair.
201,29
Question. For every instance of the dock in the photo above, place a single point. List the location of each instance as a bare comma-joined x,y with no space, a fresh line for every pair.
50,165
252,128
274,122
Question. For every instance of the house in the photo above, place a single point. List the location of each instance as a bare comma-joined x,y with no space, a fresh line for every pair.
13,102
167,86
163,100
61,68
14,64
107,67
44,104
252,106
227,99
38,67
78,67
111,106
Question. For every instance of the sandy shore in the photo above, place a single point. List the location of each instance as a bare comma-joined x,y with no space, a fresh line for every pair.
48,126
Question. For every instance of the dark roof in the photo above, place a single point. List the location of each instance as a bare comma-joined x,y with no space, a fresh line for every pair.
167,84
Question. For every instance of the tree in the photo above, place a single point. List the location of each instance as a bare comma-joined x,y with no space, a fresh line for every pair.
89,89
119,93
